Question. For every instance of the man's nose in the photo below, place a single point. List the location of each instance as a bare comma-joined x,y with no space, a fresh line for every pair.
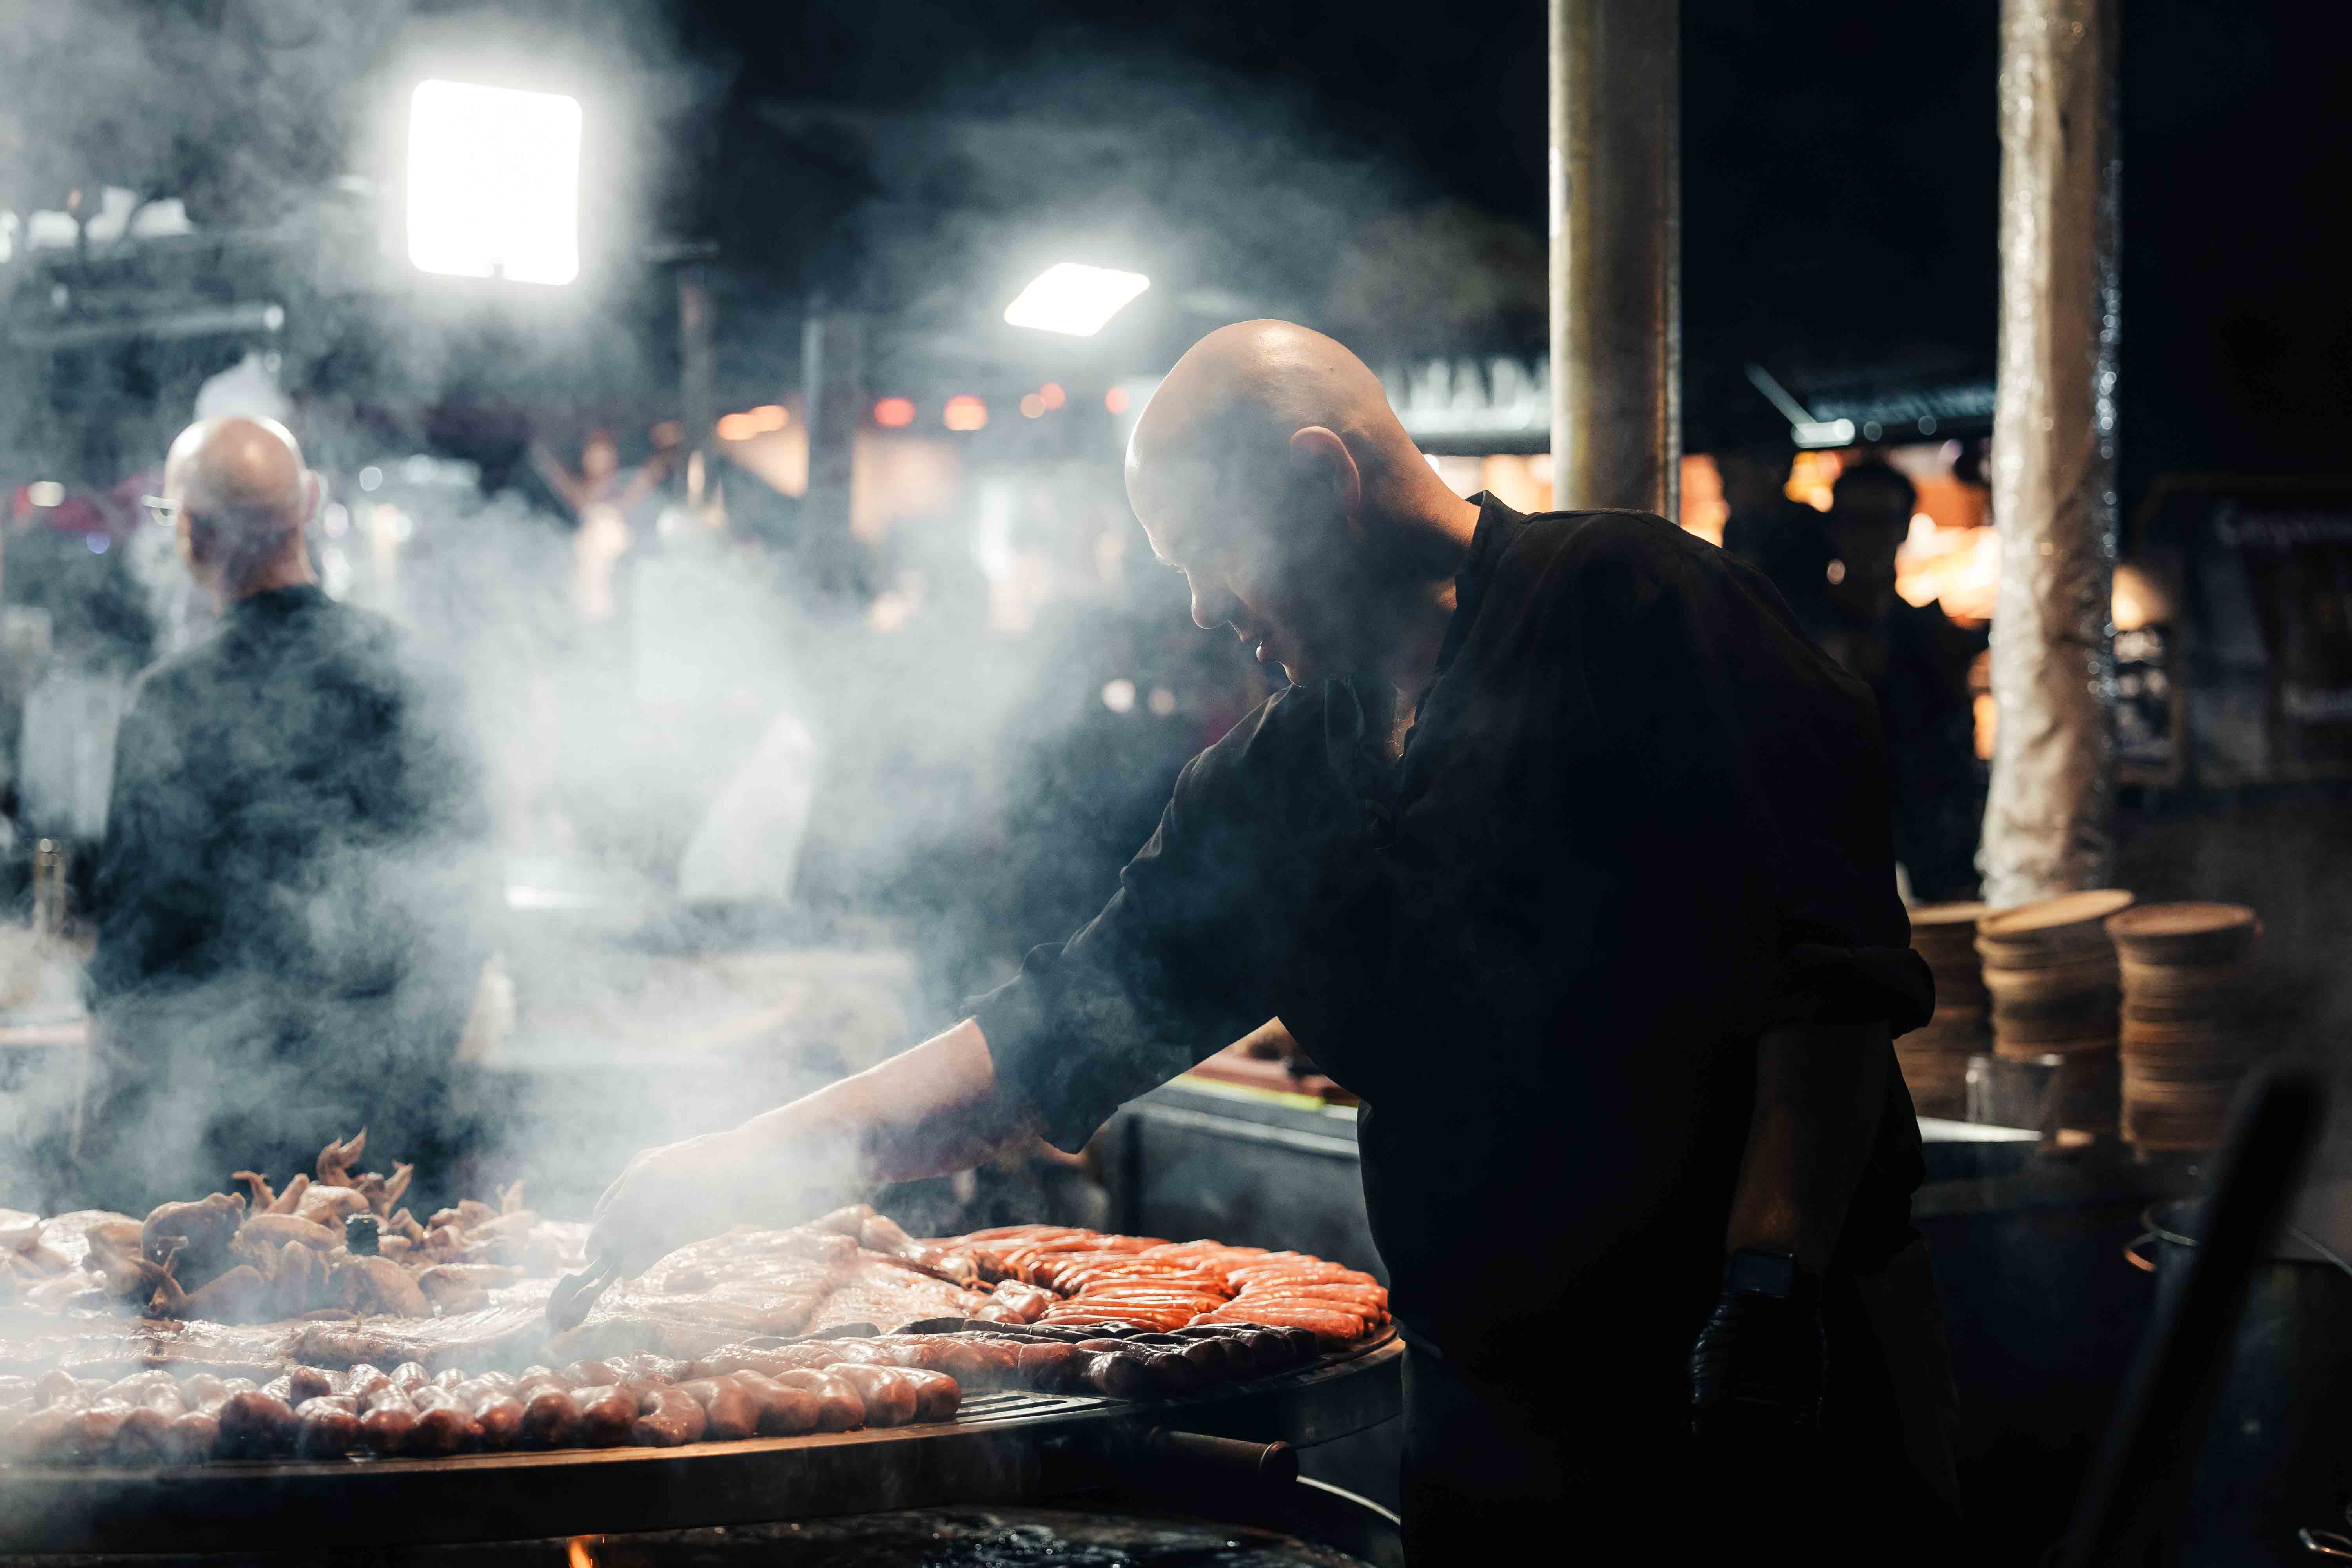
1211,605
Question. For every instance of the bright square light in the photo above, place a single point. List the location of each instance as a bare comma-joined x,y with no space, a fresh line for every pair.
1074,298
494,183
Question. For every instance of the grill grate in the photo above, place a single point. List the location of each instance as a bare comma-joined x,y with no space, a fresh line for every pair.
1006,1405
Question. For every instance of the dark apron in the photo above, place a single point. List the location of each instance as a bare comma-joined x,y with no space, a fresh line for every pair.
1575,1462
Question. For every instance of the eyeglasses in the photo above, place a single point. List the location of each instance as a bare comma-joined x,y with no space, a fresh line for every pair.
163,509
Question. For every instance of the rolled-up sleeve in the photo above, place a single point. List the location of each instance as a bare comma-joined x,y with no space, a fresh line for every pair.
1820,983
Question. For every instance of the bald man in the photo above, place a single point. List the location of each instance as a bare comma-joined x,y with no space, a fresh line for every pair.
1567,852
291,895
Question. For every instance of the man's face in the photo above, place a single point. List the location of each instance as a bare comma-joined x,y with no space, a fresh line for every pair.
1283,583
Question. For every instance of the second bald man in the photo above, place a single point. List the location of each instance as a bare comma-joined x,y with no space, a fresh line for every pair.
292,890
1567,852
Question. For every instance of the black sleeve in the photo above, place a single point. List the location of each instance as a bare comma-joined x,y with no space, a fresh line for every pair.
149,887
1182,960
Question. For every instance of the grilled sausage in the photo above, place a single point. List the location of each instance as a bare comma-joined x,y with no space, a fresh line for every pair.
308,1382
536,1379
257,1425
888,1397
390,1423
730,1411
606,1413
363,1380
1121,1373
592,1374
90,1431
444,1423
202,1389
783,1412
840,1407
412,1376
550,1419
1331,1327
328,1426
1051,1366
669,1417
191,1438
138,1440
498,1417
937,1396
42,1437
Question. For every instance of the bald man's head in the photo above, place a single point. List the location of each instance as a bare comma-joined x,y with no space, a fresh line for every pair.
242,496
1269,467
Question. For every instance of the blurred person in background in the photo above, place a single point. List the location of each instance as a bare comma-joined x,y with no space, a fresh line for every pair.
1779,537
1916,664
1566,851
293,892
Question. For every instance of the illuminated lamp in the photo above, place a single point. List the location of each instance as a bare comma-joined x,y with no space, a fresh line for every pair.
1051,395
45,492
1074,299
895,413
769,416
1116,400
494,183
737,426
964,412
1032,406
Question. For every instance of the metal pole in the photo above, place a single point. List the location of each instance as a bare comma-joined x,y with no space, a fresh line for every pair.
832,363
2048,821
1616,254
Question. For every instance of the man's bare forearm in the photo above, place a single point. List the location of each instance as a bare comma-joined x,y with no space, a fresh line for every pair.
1819,1091
928,1111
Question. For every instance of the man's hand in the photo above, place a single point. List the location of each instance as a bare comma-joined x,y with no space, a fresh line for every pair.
669,1196
1757,1369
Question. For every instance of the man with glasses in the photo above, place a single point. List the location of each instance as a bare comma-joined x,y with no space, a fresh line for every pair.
291,892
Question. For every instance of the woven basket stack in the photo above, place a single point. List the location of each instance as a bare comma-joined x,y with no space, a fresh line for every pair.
2189,1029
1935,1057
2050,971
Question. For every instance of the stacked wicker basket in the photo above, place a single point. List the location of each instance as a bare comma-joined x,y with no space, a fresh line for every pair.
2052,974
2187,1029
1935,1057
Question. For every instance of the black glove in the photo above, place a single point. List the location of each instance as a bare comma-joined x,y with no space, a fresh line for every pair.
1757,1369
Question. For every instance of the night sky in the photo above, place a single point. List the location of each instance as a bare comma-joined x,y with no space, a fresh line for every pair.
1839,159
1840,168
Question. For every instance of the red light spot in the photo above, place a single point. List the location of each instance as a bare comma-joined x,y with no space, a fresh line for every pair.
1032,406
1116,400
964,412
1051,395
895,413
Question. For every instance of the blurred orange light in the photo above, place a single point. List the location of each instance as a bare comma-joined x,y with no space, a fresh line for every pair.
769,416
737,428
1032,406
895,413
1116,400
964,412
1051,395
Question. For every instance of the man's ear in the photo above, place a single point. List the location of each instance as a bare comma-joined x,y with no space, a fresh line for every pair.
1322,466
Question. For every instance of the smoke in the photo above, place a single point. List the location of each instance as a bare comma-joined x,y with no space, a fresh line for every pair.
966,740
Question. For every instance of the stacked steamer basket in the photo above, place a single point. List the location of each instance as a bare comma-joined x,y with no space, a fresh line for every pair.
1935,1057
2050,971
2187,1036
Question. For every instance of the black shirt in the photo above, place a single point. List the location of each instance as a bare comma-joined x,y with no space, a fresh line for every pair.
291,893
1641,818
